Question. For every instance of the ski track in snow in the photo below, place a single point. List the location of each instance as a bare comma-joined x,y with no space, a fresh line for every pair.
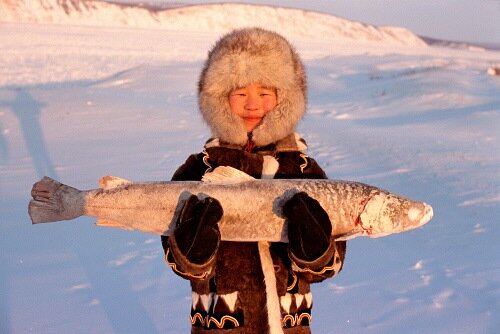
77,103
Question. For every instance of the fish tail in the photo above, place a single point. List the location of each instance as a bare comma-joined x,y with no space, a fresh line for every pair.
53,201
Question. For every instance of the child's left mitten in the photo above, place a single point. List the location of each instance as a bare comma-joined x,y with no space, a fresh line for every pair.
309,227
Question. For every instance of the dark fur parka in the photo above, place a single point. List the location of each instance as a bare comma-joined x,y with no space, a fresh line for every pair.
231,290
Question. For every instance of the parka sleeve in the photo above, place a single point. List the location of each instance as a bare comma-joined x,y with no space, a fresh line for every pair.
182,266
326,266
192,170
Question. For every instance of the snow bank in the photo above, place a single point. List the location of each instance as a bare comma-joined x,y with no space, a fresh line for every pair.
213,17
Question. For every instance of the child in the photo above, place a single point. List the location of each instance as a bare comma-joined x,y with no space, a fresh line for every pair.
252,93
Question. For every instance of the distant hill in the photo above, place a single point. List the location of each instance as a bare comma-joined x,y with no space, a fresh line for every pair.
210,17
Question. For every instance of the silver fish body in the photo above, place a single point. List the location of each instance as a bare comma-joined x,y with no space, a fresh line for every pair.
252,208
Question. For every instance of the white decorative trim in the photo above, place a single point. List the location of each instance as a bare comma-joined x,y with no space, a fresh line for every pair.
309,299
269,167
195,298
286,302
298,299
206,300
220,324
230,300
216,299
272,299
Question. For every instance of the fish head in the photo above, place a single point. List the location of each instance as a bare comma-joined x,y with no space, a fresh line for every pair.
386,213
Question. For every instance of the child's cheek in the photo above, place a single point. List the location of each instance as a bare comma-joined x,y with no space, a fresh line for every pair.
269,104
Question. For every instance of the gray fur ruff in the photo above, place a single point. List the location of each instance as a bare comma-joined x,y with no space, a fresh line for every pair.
243,57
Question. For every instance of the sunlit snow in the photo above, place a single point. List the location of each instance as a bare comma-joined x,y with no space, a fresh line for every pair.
78,102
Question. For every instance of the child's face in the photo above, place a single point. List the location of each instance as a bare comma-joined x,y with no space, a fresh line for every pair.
252,103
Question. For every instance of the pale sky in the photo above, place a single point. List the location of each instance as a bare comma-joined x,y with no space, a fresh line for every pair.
458,20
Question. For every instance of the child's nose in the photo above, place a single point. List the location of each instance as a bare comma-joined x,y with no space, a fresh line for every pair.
252,103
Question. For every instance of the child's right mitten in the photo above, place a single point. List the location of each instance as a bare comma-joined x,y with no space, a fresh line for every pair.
197,234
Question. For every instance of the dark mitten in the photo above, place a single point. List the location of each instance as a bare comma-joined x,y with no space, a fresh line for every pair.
309,228
197,233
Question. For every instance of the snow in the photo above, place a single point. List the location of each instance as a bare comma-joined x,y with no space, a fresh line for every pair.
78,102
210,17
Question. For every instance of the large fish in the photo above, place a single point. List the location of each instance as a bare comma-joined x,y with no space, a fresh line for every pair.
252,208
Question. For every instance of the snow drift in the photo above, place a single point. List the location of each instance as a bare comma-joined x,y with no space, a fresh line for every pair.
213,17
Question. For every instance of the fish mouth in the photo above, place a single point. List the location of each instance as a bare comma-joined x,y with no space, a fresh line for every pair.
428,214
421,216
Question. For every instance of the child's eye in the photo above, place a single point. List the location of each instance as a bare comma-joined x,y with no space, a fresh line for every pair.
267,92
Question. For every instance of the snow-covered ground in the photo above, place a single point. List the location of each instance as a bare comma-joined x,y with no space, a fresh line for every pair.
78,102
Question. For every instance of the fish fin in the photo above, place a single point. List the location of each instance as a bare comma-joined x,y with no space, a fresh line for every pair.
226,174
50,202
109,182
111,223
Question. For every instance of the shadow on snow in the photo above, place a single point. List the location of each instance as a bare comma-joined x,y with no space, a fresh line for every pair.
120,303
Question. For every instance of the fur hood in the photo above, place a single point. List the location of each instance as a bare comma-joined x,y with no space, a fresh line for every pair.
243,57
